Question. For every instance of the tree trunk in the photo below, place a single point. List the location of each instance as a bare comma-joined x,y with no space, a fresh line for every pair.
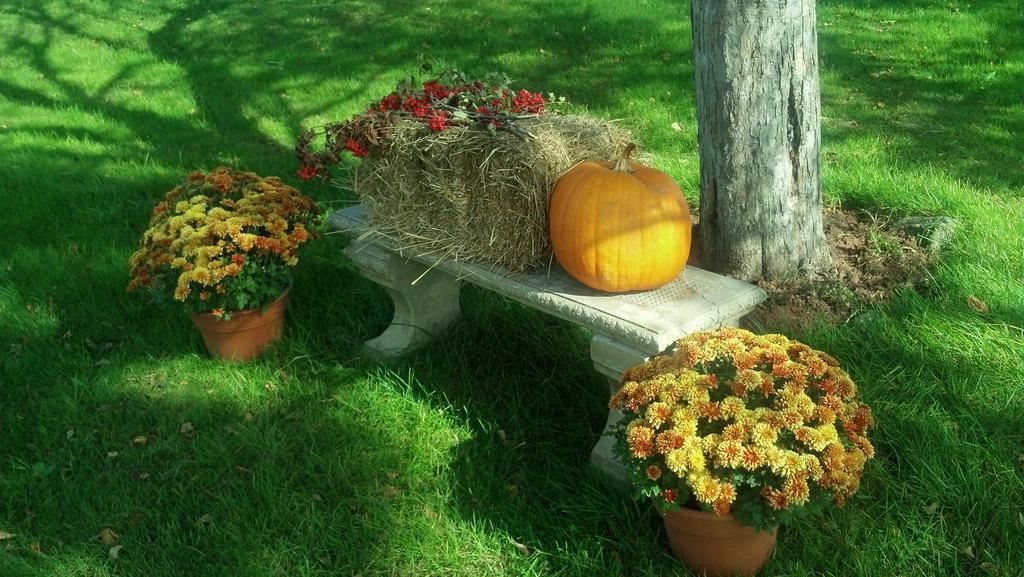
758,120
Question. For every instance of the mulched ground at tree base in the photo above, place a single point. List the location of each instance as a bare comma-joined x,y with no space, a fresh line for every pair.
870,263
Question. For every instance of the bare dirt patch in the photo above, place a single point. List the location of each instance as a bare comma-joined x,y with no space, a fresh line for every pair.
871,262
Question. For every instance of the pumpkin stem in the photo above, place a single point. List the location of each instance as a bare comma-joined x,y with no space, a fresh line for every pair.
622,163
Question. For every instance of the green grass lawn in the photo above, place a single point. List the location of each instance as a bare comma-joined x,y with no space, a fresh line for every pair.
314,461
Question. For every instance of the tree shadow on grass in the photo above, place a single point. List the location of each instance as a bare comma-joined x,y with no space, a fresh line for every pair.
929,98
525,387
523,383
308,459
248,488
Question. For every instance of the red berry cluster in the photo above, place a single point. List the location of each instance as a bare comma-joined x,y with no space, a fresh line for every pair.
438,104
355,147
528,102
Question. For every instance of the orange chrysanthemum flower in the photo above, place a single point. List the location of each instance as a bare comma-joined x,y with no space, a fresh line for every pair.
752,458
730,454
641,440
730,402
195,238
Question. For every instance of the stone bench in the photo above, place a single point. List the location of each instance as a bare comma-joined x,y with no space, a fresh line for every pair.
627,328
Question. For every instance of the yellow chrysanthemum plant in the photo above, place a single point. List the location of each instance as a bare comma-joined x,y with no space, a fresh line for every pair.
758,426
224,241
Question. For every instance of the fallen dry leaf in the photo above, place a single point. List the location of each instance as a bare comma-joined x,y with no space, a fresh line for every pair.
429,513
391,491
977,304
931,509
186,428
676,127
142,476
521,547
141,440
112,454
967,551
204,519
115,551
108,537
989,568
248,418
4,535
34,547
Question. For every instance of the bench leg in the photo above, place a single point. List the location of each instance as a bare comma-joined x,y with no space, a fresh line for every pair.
426,301
611,359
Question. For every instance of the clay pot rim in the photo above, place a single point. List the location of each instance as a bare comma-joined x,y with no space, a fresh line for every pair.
714,524
240,320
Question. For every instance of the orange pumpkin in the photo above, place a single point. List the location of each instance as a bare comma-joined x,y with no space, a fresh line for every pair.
619,226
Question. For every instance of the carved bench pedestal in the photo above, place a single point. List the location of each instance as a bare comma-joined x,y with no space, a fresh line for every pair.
628,328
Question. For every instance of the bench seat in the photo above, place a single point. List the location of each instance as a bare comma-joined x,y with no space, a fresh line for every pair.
627,328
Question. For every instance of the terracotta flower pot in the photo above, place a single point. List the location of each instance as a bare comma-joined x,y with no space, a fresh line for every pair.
717,546
246,334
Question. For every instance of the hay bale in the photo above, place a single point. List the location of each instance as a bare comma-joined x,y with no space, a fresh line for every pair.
468,194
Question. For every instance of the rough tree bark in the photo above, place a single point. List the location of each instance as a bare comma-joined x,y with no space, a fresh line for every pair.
758,122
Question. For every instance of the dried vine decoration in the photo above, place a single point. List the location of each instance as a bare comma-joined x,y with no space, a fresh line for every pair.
440,103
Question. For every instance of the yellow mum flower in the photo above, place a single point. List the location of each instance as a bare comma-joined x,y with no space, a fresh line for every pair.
732,406
827,435
709,443
785,463
677,461
803,404
764,435
810,465
201,275
705,487
182,289
686,427
698,395
695,459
